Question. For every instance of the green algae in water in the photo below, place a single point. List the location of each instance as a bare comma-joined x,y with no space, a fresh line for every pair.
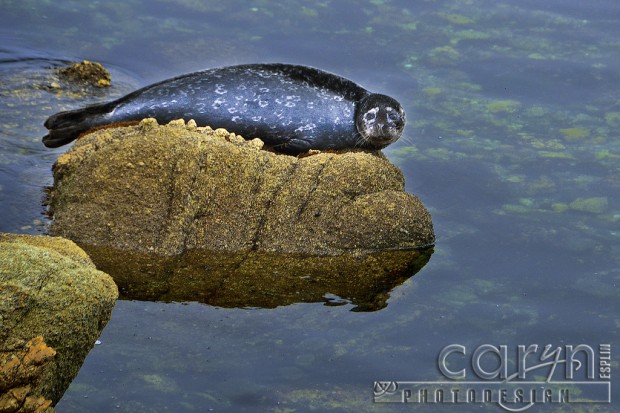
536,111
573,134
306,11
525,206
468,35
161,383
594,205
408,26
503,106
542,184
514,179
613,119
457,19
470,86
555,155
605,154
549,144
536,56
432,91
559,207
443,54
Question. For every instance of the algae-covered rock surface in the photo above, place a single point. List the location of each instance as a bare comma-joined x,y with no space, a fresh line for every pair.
168,189
48,288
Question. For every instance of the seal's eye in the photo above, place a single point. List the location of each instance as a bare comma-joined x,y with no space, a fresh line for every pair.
393,116
370,116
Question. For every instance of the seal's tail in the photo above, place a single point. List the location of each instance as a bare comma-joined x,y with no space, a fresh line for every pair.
65,127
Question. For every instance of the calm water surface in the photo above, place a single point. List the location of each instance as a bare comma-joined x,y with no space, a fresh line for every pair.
512,144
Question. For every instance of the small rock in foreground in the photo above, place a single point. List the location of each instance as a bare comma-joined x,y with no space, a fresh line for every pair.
50,288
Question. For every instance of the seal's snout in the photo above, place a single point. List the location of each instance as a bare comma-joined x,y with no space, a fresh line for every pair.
380,132
383,135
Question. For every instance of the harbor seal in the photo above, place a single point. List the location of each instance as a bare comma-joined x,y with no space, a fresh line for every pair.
292,108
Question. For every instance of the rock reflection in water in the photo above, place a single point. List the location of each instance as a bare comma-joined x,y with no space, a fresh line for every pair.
259,279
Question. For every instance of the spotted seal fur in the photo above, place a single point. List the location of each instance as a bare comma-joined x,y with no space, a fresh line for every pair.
292,108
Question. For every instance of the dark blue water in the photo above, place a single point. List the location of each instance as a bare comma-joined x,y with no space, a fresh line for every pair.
512,144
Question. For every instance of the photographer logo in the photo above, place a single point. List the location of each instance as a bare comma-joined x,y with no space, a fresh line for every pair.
514,380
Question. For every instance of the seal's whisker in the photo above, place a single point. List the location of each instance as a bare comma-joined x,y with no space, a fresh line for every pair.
407,139
359,142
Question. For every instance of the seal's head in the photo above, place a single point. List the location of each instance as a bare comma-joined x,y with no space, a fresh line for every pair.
380,120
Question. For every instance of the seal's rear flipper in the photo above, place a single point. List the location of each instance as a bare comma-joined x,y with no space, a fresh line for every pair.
59,137
65,127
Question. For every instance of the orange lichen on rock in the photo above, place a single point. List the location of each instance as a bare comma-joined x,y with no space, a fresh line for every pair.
20,367
38,352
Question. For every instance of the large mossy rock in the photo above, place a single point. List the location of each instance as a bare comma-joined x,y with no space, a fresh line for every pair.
172,188
53,305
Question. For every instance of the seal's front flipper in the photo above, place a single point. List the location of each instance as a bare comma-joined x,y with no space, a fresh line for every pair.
65,127
294,146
